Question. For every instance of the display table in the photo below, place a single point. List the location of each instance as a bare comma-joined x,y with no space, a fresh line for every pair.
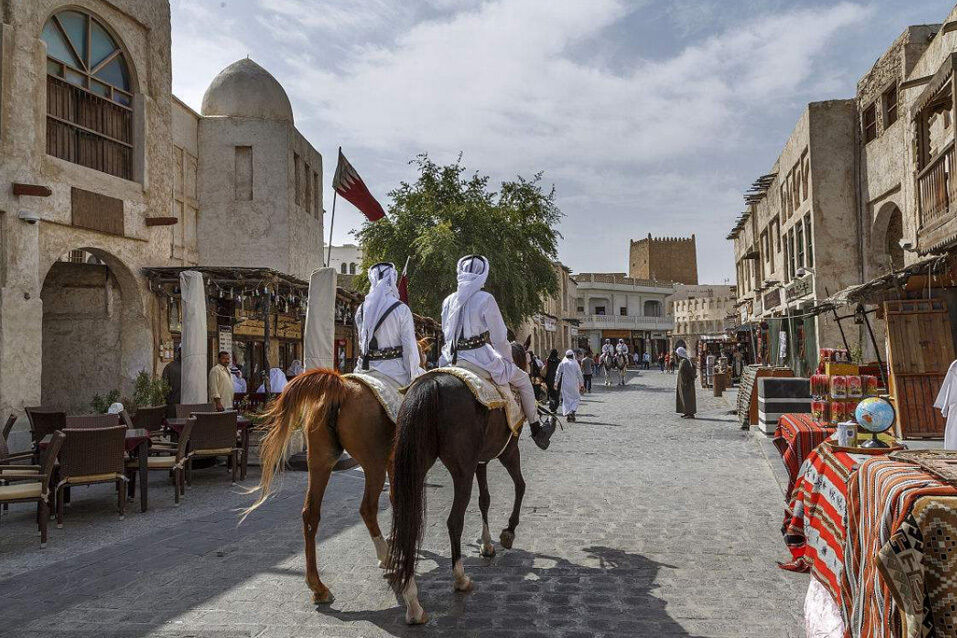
796,436
814,520
880,496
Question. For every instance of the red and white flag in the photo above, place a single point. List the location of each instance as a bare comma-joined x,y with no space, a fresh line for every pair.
404,283
347,183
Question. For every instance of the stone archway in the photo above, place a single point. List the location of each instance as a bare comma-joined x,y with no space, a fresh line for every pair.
886,234
95,333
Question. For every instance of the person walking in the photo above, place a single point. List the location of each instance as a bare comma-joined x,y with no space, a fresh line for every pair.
551,369
588,368
661,362
685,399
570,382
647,359
173,376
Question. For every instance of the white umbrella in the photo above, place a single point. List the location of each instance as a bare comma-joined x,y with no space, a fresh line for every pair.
320,330
193,295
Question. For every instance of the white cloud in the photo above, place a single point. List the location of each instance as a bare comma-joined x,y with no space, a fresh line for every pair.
644,144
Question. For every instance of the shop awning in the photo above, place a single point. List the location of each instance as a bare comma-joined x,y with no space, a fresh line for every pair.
941,77
868,291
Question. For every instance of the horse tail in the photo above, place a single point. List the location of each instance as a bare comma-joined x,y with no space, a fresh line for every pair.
311,400
416,444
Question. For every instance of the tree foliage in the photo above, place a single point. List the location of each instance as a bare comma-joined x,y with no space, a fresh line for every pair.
447,214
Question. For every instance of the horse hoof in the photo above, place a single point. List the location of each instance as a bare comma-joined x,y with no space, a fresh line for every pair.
507,538
464,586
487,551
416,619
322,598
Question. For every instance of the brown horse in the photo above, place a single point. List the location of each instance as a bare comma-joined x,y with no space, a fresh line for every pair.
335,413
440,419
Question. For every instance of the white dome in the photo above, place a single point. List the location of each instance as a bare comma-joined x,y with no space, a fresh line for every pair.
245,89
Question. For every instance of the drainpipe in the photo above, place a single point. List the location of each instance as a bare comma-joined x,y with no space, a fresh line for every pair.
861,213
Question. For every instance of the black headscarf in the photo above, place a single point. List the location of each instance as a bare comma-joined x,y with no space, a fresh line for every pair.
551,367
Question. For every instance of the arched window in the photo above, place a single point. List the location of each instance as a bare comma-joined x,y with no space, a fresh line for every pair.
652,308
343,268
352,268
89,94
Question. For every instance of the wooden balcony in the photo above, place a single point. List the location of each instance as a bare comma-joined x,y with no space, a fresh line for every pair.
937,199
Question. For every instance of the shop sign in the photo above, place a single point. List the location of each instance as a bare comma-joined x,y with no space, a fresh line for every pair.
551,325
772,299
226,339
799,288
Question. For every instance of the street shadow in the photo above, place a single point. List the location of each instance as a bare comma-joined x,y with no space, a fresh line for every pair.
534,593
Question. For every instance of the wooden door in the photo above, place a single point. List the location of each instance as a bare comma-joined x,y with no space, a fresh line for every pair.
920,349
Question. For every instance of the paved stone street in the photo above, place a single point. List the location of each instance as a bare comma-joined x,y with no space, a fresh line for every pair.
635,523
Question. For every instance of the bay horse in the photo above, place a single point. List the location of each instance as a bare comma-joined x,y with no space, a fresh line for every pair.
336,413
441,420
615,361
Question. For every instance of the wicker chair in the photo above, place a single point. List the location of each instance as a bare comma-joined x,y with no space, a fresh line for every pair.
92,421
6,456
214,434
186,410
92,455
38,489
175,463
150,418
44,422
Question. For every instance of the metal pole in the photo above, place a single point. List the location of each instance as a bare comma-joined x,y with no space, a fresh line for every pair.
332,221
267,310
877,353
840,326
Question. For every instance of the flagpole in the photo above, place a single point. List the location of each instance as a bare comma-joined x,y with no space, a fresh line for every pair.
332,221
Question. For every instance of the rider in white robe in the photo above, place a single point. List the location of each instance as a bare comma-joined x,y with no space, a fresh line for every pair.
607,350
621,348
467,315
396,352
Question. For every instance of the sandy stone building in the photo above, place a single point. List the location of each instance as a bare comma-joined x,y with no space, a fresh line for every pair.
347,259
700,310
108,173
672,259
615,306
798,240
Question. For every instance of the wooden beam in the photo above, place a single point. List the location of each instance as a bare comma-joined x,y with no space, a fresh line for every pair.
31,190
161,221
909,84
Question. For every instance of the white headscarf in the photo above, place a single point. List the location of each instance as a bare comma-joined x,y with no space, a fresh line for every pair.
295,368
681,352
570,354
472,273
382,294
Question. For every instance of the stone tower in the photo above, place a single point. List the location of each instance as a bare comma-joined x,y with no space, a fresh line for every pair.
673,259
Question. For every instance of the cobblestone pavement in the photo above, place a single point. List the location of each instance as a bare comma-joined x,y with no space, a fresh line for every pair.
635,523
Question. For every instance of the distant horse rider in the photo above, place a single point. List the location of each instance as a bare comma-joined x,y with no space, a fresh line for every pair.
386,329
607,350
475,332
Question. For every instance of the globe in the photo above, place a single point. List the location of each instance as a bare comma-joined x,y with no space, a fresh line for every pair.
875,414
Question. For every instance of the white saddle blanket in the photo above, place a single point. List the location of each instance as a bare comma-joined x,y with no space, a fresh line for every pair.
487,392
383,387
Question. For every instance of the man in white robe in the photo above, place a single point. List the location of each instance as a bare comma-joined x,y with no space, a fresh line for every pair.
392,349
607,350
947,404
475,332
570,382
277,381
621,348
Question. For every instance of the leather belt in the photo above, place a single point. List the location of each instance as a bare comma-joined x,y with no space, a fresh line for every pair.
385,354
472,343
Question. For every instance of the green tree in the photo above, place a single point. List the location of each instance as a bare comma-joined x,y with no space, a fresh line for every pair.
447,214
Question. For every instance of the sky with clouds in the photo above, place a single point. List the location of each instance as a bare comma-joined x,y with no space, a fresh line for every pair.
648,116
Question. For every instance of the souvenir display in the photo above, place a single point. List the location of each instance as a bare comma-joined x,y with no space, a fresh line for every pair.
838,387
854,387
820,385
870,383
876,415
819,410
838,411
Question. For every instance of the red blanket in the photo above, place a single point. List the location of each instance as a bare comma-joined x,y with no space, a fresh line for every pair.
814,520
796,436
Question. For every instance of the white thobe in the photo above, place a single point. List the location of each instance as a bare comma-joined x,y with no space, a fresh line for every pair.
239,384
621,348
571,377
946,402
480,315
398,329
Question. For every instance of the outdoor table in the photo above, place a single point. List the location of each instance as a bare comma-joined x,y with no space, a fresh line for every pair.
814,520
880,496
242,426
137,443
796,436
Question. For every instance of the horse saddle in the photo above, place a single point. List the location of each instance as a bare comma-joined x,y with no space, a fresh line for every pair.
487,392
383,387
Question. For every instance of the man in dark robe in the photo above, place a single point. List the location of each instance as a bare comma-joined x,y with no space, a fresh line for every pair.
173,375
685,401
